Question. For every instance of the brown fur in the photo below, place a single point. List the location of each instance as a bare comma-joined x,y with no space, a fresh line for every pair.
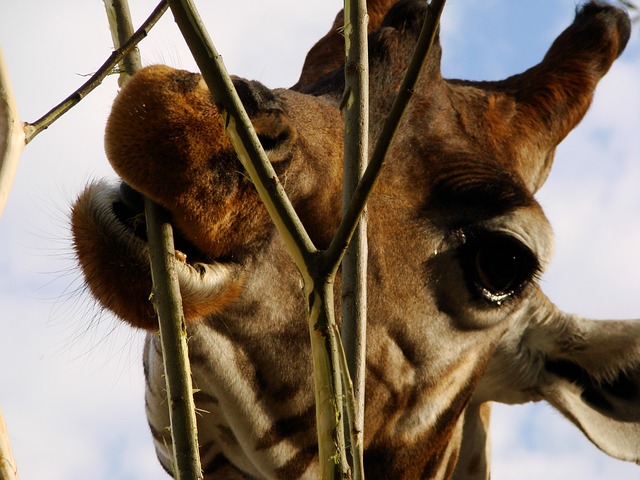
463,170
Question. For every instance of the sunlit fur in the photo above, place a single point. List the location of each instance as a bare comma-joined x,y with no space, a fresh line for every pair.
454,322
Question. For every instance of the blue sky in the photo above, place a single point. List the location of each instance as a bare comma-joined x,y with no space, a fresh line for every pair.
70,376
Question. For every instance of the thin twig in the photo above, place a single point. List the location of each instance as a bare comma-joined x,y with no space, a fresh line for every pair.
121,30
33,129
330,382
173,336
166,296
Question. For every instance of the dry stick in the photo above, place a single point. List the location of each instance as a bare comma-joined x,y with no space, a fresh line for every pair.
8,466
121,29
33,129
11,134
389,129
354,264
173,335
166,293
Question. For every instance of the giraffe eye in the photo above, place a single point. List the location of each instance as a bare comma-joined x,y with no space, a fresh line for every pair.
496,265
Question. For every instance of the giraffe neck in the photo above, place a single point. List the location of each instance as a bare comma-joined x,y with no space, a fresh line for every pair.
475,450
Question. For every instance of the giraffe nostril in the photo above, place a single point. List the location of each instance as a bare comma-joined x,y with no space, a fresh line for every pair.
131,198
183,81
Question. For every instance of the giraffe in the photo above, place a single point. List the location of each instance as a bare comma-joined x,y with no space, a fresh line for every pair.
457,241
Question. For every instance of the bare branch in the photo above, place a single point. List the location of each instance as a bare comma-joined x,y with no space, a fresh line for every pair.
12,139
173,335
121,31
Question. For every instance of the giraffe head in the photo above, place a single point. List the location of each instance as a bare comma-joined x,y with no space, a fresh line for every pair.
457,242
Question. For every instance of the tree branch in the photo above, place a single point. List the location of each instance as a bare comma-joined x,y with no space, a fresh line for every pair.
354,264
166,295
33,129
173,336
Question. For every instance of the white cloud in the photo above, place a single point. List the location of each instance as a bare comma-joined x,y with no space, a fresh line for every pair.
534,441
73,398
593,201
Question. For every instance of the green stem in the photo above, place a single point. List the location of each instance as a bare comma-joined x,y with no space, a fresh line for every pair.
166,296
121,31
354,264
173,336
327,352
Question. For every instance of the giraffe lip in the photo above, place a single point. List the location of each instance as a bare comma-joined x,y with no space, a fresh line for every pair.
109,233
198,275
129,210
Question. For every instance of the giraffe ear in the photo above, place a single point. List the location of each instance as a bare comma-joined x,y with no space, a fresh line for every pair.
589,370
393,31
594,380
536,109
328,52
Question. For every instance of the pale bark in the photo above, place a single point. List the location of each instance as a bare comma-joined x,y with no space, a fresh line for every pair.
8,466
12,138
